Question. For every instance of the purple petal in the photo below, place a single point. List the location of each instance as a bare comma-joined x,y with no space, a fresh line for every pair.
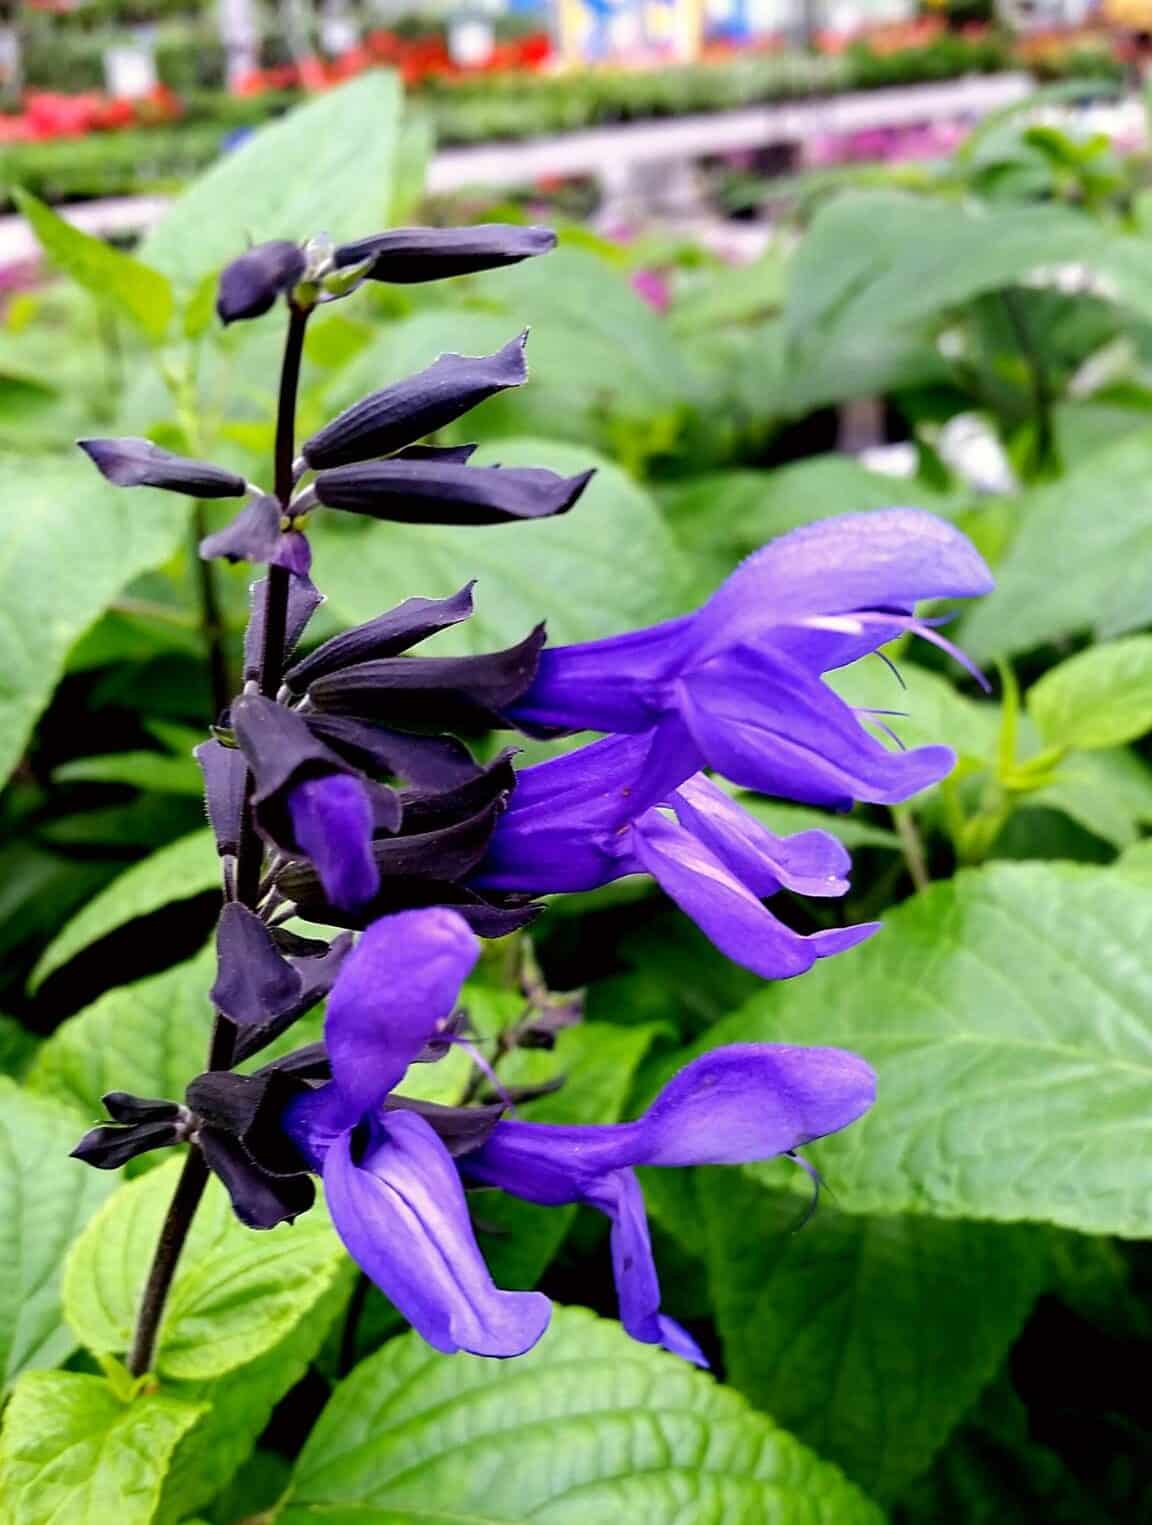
725,909
304,598
634,1269
888,559
810,862
612,685
402,1215
768,725
333,820
256,534
733,1106
399,983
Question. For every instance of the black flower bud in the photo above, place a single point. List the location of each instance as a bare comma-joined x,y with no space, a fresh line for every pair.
250,284
140,1123
406,255
132,462
436,492
397,415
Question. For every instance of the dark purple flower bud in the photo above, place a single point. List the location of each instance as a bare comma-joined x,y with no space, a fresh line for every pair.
317,976
123,1107
407,255
408,410
333,822
110,1145
251,283
261,532
304,598
387,635
140,1123
448,455
254,981
434,693
244,1145
132,462
428,810
429,762
459,1129
224,771
433,492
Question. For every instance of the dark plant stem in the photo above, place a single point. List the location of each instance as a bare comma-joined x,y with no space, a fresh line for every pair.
194,1176
1037,380
211,619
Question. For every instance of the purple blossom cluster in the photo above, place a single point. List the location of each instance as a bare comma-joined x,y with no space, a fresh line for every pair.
341,790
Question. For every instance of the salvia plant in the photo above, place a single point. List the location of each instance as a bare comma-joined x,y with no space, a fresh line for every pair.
340,791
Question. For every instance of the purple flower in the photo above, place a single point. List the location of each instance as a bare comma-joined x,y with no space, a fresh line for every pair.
624,806
392,1169
747,1102
737,685
390,1182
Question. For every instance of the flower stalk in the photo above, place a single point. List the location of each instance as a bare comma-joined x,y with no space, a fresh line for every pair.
222,1048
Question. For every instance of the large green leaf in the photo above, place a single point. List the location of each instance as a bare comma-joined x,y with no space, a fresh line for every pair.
588,1427
71,1450
187,867
869,1338
241,1406
1101,697
738,511
875,260
607,566
150,1037
45,1200
143,295
1008,1014
1097,521
325,168
237,1293
69,543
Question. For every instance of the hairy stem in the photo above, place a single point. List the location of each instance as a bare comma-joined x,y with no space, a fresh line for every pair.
912,847
194,1176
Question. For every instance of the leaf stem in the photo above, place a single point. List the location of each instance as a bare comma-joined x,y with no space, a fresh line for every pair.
912,847
212,629
194,1177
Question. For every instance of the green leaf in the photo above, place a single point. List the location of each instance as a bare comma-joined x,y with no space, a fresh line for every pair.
609,565
1098,519
242,1404
818,1325
237,1293
1108,793
149,1038
71,1450
45,1199
1101,697
587,1427
142,294
325,168
17,1045
68,544
738,511
1008,1015
152,772
878,260
187,867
